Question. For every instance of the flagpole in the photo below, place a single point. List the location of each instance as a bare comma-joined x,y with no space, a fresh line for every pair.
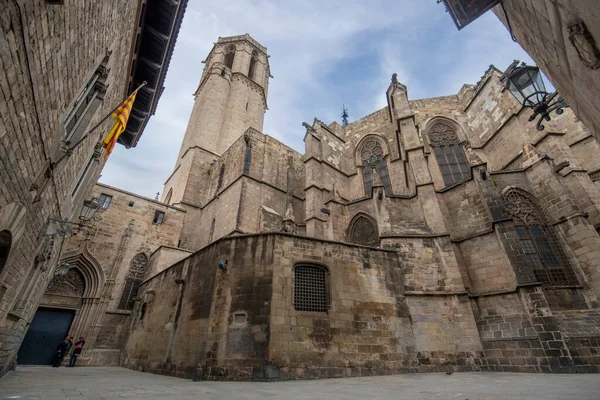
70,149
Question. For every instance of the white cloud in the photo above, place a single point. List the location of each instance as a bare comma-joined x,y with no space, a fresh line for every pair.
323,54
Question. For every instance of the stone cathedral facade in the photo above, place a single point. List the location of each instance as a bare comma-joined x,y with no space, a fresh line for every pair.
433,234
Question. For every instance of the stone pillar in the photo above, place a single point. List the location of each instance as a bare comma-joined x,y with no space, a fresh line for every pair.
313,191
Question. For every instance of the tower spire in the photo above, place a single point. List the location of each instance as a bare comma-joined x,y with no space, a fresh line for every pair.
345,115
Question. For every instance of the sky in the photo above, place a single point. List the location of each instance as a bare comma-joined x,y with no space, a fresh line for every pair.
324,54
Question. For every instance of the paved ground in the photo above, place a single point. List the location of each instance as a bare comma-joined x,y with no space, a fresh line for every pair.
87,383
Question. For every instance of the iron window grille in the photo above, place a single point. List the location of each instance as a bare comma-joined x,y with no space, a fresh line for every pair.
310,288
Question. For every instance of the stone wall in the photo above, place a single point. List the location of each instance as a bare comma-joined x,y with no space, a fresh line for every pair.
241,322
120,232
48,53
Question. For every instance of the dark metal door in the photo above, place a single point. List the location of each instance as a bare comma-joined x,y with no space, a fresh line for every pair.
48,328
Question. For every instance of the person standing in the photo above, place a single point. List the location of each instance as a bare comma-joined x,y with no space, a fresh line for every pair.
61,351
77,351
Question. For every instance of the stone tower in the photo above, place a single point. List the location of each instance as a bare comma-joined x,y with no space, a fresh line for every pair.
231,97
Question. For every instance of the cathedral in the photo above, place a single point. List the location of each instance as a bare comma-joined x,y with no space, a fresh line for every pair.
433,234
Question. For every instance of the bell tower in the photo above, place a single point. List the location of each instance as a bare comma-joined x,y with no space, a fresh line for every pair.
231,97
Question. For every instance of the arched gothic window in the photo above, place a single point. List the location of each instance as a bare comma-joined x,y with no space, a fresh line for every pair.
135,276
449,154
229,56
363,230
374,169
5,244
252,66
538,252
168,198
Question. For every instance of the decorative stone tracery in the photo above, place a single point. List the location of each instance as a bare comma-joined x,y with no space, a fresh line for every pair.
441,134
374,171
449,153
135,276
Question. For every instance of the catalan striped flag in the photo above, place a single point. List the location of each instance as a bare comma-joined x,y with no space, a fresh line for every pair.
121,115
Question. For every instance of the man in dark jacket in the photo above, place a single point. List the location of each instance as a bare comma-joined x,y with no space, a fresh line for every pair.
77,351
61,351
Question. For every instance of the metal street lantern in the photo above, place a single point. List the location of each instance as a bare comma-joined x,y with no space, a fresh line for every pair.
89,209
526,84
62,227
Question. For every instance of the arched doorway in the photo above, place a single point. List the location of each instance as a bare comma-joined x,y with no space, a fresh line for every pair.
52,321
5,245
69,306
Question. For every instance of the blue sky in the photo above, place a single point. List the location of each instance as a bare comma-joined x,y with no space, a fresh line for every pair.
323,54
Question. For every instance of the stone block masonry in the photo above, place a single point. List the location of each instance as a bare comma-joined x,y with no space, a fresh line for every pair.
47,55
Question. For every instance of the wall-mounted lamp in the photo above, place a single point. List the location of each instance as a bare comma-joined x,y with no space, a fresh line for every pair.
62,227
526,84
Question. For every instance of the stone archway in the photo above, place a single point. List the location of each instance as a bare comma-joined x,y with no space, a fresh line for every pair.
79,289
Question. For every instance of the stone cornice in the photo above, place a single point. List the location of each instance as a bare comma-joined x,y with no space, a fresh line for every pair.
102,185
242,38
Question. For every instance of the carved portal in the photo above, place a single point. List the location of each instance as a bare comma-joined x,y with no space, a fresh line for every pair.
71,284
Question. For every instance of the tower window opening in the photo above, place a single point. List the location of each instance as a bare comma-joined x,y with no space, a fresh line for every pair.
252,66
229,57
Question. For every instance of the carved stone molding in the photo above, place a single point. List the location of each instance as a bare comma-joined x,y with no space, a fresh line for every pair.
138,266
71,284
584,44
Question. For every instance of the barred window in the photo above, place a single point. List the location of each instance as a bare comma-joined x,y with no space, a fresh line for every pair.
133,281
310,288
540,256
449,153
